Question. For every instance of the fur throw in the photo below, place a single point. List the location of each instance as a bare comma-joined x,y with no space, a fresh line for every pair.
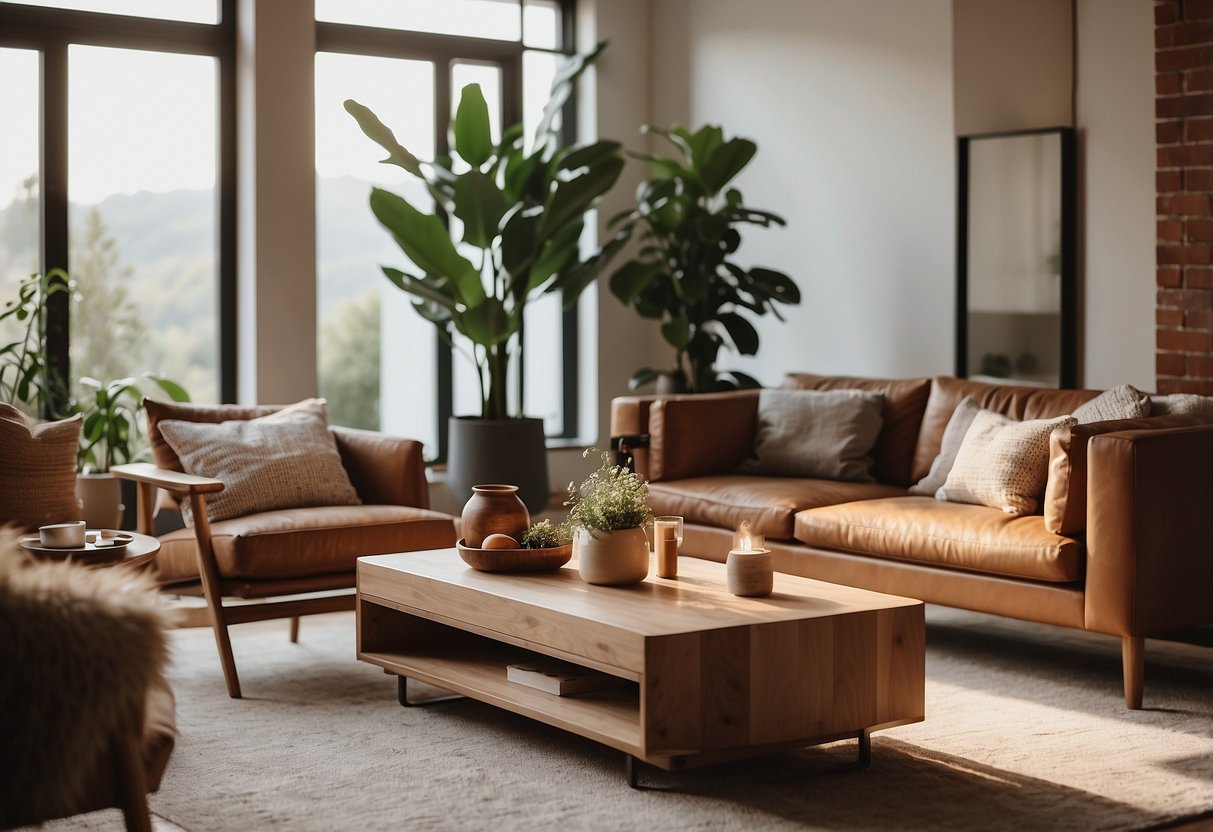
78,649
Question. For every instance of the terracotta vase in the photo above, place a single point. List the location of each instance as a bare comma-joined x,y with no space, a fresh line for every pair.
493,509
100,497
612,558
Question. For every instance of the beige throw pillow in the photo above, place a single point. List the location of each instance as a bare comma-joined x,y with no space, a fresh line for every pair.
1002,463
1121,402
828,434
288,459
37,469
1183,404
949,446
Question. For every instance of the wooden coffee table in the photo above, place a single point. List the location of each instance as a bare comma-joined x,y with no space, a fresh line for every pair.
713,676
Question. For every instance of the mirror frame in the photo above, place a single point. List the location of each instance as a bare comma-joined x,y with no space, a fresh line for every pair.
1068,301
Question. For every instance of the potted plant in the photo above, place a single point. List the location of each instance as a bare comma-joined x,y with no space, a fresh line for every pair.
112,435
522,212
684,274
607,515
27,378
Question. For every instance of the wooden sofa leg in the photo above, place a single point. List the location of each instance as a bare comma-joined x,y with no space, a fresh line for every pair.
1133,657
226,657
213,592
294,629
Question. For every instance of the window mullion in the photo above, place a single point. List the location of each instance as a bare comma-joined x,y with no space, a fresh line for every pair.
54,224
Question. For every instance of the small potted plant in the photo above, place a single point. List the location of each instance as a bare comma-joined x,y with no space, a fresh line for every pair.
607,513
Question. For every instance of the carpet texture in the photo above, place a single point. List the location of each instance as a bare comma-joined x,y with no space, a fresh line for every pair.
1025,729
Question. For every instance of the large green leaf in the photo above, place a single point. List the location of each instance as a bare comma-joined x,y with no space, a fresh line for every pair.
726,162
426,241
633,277
523,176
677,333
487,323
573,197
556,254
775,285
480,205
704,143
418,287
586,155
741,332
382,135
566,77
473,138
574,281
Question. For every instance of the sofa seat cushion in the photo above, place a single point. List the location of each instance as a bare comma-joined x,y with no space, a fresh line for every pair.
956,535
304,541
769,503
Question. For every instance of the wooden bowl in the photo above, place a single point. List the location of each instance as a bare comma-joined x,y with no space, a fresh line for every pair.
515,560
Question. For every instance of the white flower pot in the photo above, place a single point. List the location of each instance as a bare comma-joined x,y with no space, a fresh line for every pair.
612,558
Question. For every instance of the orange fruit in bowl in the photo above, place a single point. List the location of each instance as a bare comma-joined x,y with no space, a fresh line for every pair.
499,541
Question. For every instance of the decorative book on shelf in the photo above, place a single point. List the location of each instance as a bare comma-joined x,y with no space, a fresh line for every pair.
560,678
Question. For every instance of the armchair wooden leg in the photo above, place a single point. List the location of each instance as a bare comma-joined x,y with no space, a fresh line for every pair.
1133,658
295,629
214,594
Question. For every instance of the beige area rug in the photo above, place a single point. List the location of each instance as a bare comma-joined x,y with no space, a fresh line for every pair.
1025,730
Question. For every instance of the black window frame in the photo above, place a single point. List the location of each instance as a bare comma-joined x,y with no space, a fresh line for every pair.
443,51
51,32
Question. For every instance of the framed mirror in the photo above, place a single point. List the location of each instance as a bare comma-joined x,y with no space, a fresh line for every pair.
1016,260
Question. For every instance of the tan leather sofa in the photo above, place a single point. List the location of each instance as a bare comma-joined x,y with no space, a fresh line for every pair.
1142,564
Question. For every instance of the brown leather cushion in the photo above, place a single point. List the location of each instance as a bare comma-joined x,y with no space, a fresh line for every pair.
904,402
37,470
957,535
1020,403
769,503
1065,502
692,436
304,541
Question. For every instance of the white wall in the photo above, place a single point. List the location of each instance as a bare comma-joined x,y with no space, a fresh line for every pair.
851,107
1116,190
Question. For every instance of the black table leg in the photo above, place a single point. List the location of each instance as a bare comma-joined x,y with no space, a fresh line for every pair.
402,695
865,748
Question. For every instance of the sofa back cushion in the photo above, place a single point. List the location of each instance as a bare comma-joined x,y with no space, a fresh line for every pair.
826,434
162,453
694,436
901,416
1020,403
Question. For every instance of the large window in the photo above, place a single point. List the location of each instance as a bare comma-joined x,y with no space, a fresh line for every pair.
117,137
380,364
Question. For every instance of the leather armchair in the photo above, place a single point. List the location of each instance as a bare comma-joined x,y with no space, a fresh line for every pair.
286,552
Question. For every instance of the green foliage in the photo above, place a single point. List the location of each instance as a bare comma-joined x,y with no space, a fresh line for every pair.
349,361
27,377
113,420
522,212
546,535
610,499
684,274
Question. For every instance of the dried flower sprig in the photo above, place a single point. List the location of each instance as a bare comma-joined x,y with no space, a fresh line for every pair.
610,499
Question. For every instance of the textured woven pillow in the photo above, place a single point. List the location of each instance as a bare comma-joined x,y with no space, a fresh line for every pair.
1183,404
288,459
816,433
37,470
949,446
1121,402
1002,463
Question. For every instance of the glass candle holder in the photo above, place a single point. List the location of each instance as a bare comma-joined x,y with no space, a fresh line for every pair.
667,537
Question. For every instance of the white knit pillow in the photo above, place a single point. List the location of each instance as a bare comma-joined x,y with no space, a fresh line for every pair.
1183,404
1002,463
288,459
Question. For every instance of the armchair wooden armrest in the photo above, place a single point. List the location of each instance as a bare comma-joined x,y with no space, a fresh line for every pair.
149,478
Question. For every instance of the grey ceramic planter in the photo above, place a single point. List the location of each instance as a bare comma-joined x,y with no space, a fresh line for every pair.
505,451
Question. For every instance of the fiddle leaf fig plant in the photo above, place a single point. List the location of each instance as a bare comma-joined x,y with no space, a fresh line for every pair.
520,213
684,275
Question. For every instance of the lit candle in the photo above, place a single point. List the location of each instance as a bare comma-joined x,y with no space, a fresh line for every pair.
749,571
667,534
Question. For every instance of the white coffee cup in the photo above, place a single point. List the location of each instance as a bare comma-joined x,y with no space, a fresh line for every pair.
63,535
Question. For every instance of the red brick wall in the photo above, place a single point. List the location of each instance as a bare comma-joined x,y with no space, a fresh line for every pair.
1183,80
